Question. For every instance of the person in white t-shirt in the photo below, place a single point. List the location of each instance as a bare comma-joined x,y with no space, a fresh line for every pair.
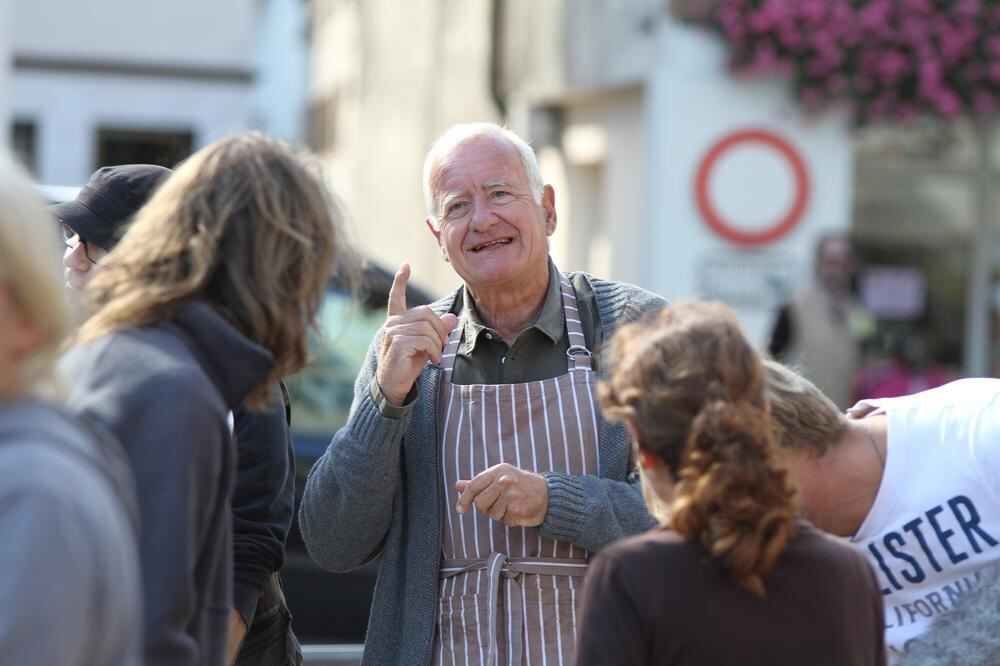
913,482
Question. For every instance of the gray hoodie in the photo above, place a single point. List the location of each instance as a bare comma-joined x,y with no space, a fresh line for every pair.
165,391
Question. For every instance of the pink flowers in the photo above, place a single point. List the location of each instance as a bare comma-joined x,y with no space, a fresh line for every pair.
889,59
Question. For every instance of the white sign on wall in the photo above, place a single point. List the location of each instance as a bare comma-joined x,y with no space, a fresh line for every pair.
742,183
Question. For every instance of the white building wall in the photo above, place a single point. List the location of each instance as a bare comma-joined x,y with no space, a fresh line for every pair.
218,33
282,64
68,109
209,68
396,75
6,16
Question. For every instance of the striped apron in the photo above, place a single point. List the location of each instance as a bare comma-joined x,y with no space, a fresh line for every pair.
508,596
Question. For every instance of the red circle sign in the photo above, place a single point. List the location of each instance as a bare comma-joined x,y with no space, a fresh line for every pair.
771,232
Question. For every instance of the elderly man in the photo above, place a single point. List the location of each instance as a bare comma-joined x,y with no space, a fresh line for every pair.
913,482
474,460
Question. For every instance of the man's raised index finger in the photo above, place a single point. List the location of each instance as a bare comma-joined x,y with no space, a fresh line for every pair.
397,292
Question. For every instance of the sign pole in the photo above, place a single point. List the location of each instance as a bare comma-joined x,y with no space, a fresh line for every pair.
978,303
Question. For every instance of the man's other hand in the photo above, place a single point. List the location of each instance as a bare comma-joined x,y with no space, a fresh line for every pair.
506,493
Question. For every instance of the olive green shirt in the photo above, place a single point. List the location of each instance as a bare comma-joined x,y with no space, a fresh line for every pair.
539,352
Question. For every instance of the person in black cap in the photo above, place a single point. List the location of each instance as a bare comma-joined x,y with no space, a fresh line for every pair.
264,491
94,221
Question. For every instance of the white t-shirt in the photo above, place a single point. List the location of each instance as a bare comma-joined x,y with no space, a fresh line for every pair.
935,522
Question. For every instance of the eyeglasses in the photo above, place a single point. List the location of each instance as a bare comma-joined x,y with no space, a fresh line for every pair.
71,239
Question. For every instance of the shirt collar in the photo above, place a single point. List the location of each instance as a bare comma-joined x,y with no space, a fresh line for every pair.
550,320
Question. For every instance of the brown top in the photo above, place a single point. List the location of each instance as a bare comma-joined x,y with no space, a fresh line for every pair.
656,599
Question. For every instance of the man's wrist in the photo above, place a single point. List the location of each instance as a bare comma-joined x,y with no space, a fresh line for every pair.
385,406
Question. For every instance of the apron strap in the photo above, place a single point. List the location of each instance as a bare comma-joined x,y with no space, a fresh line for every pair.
580,358
499,565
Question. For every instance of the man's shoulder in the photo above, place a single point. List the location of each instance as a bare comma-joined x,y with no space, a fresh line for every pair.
613,296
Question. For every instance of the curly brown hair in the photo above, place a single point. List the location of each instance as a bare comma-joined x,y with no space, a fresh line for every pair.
245,225
691,386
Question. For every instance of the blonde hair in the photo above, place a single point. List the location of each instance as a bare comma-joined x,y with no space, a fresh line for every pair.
31,272
691,386
242,225
802,417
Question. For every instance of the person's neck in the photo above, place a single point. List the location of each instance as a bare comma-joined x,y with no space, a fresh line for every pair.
837,489
508,311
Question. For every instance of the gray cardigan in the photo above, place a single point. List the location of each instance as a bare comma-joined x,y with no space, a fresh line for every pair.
375,491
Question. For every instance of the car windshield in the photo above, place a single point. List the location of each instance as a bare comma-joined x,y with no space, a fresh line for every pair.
321,394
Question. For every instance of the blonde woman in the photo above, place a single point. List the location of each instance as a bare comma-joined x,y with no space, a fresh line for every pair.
69,572
203,306
737,576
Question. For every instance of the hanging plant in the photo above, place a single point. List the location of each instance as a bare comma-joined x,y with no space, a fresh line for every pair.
887,59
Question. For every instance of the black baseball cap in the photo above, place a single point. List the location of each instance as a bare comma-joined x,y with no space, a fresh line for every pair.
109,200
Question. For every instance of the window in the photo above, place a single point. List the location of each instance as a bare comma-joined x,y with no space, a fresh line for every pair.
127,146
23,143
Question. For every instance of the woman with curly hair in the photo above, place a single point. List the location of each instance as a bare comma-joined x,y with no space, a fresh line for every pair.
202,307
735,575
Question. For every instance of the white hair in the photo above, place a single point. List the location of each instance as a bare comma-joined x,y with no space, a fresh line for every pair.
30,272
459,134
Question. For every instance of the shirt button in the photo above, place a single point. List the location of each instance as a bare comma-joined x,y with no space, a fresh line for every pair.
489,336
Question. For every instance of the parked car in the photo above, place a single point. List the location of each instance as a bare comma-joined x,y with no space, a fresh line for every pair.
328,607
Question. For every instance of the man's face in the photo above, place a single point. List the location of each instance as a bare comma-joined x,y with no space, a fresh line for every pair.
835,263
79,260
489,226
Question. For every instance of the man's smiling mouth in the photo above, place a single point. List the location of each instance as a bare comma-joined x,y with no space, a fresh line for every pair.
491,244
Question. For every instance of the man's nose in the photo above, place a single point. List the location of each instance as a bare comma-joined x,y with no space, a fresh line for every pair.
76,258
482,217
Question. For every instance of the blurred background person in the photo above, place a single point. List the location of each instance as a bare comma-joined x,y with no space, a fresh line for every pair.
69,569
264,490
214,288
737,576
911,481
821,327
95,220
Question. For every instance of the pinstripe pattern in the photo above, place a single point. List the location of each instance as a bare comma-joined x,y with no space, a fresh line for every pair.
542,426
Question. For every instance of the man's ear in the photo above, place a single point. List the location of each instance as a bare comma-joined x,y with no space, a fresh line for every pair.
549,208
436,231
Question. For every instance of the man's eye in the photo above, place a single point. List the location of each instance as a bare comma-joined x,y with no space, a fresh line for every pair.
501,194
455,208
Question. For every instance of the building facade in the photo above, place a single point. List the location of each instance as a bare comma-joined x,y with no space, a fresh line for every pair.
669,172
107,82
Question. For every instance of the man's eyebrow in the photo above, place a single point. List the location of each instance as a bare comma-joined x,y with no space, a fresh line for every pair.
493,184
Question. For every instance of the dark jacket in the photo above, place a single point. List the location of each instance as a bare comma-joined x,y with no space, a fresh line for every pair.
263,503
263,500
165,391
